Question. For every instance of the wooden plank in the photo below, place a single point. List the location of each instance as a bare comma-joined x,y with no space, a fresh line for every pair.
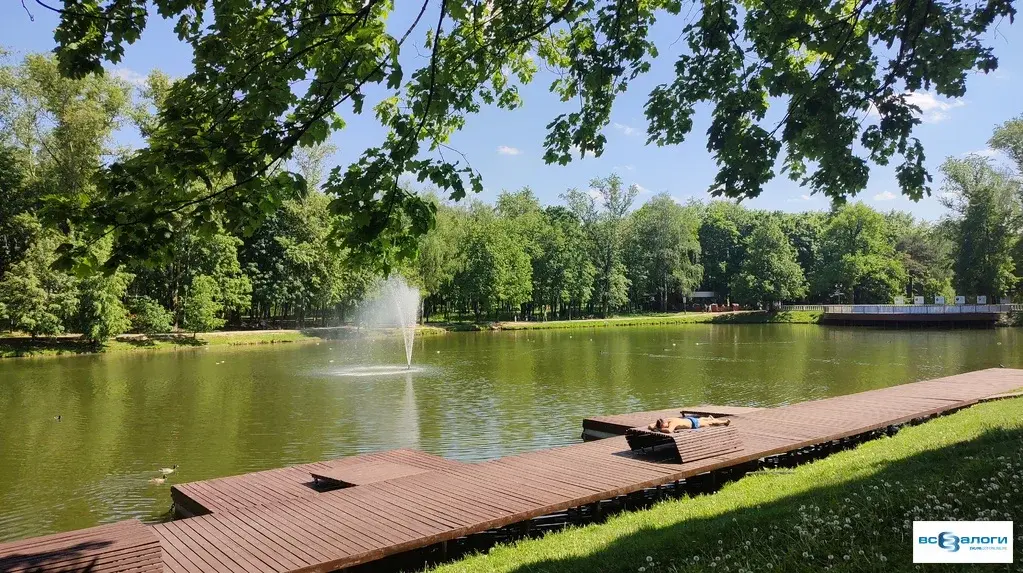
121,546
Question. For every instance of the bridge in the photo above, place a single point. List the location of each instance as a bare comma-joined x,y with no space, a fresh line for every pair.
910,314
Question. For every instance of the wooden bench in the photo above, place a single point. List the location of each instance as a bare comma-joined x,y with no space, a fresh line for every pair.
364,473
687,445
119,547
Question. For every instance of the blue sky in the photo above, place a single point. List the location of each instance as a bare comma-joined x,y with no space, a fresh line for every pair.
506,146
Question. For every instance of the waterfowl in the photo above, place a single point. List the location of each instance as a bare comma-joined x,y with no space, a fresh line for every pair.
57,417
169,471
158,480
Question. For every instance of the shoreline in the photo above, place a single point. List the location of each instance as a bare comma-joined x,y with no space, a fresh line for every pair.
21,346
848,511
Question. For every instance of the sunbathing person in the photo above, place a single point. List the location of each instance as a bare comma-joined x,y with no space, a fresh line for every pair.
670,425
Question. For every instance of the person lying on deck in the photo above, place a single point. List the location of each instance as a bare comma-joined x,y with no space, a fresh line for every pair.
669,425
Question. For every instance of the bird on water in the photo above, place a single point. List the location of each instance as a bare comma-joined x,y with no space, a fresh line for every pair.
169,471
158,480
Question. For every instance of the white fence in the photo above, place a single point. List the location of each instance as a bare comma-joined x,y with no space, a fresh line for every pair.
908,308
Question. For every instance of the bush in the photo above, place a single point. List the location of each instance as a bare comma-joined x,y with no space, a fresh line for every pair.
202,305
149,316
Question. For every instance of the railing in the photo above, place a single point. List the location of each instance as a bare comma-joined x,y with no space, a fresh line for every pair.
909,309
809,307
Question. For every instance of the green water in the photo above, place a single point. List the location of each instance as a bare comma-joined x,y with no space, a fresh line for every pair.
225,411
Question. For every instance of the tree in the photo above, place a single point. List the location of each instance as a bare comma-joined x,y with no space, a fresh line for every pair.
521,214
562,272
15,199
149,317
926,253
102,313
721,242
665,250
57,133
495,268
202,305
213,253
805,232
1008,138
238,113
985,224
438,259
605,226
38,299
858,258
770,272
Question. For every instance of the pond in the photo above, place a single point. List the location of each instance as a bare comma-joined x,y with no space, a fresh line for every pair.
224,411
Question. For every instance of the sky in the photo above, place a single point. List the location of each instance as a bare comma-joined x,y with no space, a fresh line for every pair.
506,147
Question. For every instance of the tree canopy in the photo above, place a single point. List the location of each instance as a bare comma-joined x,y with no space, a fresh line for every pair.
271,76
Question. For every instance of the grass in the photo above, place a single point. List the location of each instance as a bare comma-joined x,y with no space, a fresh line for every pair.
16,346
748,317
852,511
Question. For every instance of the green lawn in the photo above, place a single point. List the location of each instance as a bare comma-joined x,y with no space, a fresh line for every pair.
795,317
15,346
852,511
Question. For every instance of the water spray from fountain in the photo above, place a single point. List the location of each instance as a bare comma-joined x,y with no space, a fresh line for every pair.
405,301
396,304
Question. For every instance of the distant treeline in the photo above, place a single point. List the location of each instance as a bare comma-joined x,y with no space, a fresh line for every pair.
597,254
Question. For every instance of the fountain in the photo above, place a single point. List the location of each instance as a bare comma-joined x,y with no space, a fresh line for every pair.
405,305
396,305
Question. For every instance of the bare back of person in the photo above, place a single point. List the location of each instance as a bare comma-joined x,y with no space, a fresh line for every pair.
671,425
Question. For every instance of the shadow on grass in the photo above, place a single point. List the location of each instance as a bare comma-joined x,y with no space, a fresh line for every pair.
876,507
19,346
185,340
139,342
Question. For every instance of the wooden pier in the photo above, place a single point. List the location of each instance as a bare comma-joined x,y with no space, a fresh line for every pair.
282,521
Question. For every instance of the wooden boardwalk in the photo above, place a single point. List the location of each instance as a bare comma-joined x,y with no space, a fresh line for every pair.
283,484
274,522
125,546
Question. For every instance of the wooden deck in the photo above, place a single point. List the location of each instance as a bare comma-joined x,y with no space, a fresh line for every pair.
274,522
124,546
599,427
283,484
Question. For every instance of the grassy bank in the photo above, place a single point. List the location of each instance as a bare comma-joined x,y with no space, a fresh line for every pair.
14,346
745,317
24,346
850,512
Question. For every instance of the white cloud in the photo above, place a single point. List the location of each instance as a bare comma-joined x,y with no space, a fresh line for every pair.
986,152
801,199
640,189
593,193
626,129
624,168
505,150
933,108
129,75
886,196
